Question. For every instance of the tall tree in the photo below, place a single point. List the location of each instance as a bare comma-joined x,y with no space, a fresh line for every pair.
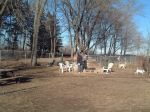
39,6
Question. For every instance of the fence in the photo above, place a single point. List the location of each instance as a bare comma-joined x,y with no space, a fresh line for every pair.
11,57
128,59
17,58
131,60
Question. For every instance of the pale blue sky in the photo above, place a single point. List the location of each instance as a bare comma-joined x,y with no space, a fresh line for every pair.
143,19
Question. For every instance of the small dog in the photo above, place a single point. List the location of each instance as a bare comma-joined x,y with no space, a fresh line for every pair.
141,71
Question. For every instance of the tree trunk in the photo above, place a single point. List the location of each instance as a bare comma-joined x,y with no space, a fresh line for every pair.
125,47
125,44
38,11
121,45
3,7
54,47
114,45
24,40
110,47
35,40
94,50
71,44
105,46
101,49
77,42
55,11
51,45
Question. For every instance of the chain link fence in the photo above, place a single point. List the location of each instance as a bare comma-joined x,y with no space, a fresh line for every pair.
132,61
128,59
10,58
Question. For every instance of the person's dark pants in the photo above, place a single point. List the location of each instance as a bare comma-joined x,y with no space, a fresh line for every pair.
84,64
80,67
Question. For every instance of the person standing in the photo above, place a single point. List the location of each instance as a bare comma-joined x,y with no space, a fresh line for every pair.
85,58
77,60
80,62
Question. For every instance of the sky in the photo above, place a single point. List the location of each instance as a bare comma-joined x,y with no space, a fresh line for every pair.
142,20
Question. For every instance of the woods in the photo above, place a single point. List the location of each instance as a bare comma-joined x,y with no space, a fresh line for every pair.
95,26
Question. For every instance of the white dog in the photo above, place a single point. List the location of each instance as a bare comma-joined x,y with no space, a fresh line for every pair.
75,67
123,66
141,71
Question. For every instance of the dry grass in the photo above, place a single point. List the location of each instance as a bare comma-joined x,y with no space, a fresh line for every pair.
121,91
27,63
50,91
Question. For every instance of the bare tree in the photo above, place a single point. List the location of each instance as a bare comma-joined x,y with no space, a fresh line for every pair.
66,14
39,6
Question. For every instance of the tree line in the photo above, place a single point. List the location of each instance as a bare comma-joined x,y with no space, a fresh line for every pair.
104,26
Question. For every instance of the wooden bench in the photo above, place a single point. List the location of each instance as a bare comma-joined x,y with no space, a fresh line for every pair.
5,76
16,78
5,71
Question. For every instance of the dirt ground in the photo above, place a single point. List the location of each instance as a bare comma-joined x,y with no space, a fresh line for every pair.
121,91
